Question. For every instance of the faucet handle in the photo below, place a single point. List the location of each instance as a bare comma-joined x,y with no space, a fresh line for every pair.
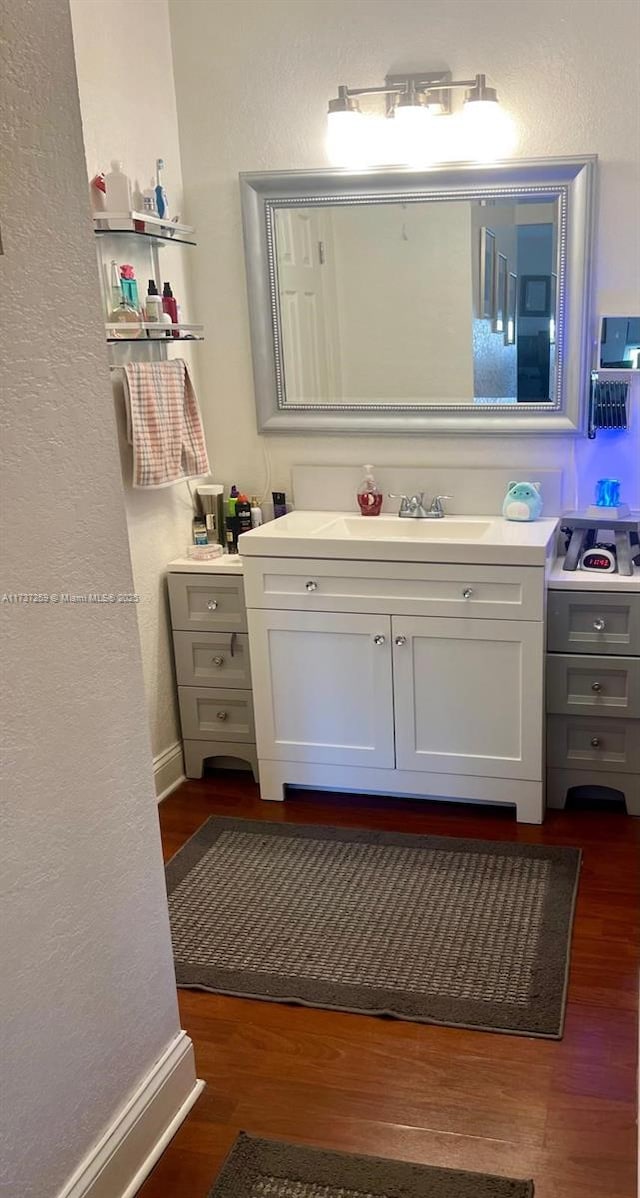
437,501
404,503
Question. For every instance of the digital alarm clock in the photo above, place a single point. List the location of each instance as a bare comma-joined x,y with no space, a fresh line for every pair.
598,560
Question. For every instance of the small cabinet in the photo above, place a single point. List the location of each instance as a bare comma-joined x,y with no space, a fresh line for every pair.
467,696
322,687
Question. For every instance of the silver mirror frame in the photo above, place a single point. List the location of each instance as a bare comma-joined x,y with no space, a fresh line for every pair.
572,180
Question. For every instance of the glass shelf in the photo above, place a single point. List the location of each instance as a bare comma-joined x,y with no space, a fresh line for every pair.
153,340
154,229
185,332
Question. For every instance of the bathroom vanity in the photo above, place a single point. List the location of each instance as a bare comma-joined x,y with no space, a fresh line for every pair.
401,657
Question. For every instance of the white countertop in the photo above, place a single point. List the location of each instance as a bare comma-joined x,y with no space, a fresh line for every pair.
586,580
479,540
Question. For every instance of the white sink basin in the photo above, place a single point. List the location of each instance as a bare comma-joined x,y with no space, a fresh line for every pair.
480,540
390,528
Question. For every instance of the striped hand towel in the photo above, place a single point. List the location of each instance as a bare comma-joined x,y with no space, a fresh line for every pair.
164,424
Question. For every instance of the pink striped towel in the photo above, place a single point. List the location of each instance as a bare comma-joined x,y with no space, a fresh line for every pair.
164,424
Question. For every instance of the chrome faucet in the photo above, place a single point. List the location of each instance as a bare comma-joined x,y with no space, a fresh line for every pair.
412,507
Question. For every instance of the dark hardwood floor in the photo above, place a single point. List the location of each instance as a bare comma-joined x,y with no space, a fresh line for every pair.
560,1112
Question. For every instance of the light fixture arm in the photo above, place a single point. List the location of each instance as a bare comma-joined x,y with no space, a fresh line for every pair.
417,84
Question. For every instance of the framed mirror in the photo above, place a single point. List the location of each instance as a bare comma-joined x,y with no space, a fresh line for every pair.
441,300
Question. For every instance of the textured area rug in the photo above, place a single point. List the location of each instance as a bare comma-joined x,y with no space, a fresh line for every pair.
271,1169
469,933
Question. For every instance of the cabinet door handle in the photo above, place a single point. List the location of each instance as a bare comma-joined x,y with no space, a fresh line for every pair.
311,585
597,687
378,640
400,640
218,661
221,715
212,605
595,742
599,625
467,593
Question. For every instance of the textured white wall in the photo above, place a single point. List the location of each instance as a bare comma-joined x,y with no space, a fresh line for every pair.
252,84
88,992
127,101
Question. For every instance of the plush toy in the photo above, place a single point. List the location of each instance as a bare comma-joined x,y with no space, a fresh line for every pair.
522,501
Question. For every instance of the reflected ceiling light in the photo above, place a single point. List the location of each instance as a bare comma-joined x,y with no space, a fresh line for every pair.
417,125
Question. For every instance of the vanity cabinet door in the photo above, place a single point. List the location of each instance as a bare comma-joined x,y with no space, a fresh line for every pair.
469,696
322,687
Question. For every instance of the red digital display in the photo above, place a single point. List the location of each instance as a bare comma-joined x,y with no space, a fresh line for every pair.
595,561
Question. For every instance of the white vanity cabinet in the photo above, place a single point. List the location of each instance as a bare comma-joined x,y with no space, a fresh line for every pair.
399,678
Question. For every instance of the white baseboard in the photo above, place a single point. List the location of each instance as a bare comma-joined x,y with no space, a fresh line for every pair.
168,770
119,1163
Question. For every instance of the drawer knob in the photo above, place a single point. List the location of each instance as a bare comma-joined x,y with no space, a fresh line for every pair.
221,715
595,742
311,585
378,640
212,605
597,687
401,640
599,624
218,661
467,593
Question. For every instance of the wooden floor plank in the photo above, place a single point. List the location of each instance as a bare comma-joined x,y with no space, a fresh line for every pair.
560,1112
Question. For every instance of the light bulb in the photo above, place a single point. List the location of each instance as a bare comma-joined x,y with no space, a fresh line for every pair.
346,139
487,131
412,131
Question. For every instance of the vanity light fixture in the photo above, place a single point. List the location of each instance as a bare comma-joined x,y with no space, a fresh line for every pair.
417,126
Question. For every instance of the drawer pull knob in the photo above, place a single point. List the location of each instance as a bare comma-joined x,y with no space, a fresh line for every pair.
467,593
311,585
401,640
218,661
221,715
378,640
212,605
597,687
599,625
595,742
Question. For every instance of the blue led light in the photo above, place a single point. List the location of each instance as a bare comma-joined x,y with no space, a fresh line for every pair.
608,492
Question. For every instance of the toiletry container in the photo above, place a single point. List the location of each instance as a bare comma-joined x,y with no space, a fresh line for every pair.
369,494
117,189
243,514
279,504
170,306
153,309
256,512
211,501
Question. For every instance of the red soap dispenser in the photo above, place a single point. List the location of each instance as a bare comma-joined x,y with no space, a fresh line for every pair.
369,494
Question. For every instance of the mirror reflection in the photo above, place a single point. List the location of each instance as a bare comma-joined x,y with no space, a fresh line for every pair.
439,301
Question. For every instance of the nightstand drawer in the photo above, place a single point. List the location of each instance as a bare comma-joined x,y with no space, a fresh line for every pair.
586,685
209,713
212,659
593,623
212,601
593,743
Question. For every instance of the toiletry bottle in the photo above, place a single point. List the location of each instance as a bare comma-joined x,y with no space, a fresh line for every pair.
369,494
153,309
231,522
279,504
122,312
118,189
199,531
243,514
256,512
129,286
170,306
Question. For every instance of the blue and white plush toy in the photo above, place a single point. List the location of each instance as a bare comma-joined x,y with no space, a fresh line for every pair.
522,501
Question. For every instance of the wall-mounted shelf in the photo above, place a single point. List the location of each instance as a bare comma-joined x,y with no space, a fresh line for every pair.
143,224
146,333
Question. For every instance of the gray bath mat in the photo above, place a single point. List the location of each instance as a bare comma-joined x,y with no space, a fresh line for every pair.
470,933
271,1169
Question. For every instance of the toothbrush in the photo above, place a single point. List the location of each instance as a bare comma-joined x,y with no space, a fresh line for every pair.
162,204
